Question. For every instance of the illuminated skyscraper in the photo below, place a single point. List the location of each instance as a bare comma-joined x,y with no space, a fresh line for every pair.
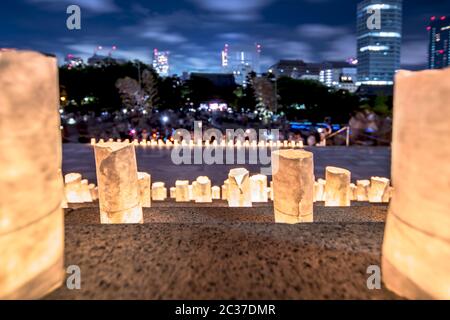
241,62
161,62
379,35
439,47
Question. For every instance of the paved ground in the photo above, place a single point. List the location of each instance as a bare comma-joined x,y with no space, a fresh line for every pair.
363,162
203,253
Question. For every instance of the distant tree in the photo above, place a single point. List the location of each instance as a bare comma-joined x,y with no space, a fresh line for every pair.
265,93
150,90
130,92
171,93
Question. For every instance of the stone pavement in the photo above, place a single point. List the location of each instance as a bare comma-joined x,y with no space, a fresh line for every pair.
363,162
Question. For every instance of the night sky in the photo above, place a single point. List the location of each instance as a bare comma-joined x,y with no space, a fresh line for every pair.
195,31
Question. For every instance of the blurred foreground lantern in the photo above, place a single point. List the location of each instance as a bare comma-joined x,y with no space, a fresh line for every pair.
337,187
258,187
293,185
31,186
117,180
144,189
239,188
416,246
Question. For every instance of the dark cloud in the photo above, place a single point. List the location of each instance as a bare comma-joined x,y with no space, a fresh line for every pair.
195,31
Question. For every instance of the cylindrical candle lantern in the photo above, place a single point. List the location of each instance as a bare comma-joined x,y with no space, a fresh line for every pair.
239,188
31,186
182,191
293,185
362,190
225,190
144,180
159,191
352,192
85,192
378,188
73,188
173,191
94,191
215,193
258,187
416,246
117,180
337,187
319,190
203,190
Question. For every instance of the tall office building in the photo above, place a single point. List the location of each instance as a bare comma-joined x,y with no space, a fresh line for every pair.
161,62
439,47
379,34
240,62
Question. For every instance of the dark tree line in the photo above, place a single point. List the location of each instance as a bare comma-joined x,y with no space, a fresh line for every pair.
296,99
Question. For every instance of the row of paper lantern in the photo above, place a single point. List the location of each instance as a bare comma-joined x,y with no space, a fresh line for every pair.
375,190
192,143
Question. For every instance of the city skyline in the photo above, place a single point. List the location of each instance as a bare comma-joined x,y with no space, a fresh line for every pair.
195,31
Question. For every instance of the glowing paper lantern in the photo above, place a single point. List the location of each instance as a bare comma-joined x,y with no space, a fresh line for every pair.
203,187
194,190
159,191
258,187
271,191
85,192
225,190
239,194
352,192
182,191
293,183
191,192
73,188
94,191
31,185
337,187
144,180
93,141
173,191
378,188
362,190
319,190
215,193
118,186
416,246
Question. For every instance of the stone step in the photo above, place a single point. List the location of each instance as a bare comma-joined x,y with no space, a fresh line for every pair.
195,214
